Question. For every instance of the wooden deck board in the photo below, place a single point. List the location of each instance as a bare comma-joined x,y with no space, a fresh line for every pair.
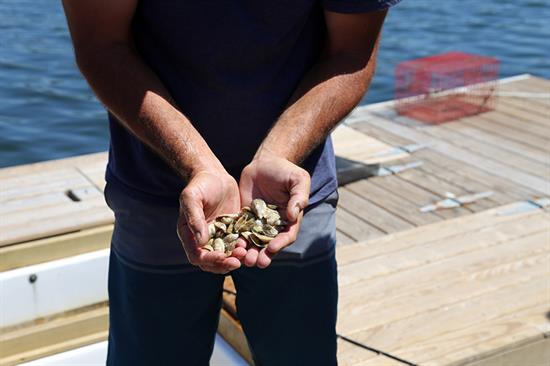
490,152
511,276
493,167
404,209
355,228
354,145
367,211
438,231
417,195
476,134
491,124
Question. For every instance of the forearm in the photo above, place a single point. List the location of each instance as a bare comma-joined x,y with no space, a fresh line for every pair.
135,95
330,90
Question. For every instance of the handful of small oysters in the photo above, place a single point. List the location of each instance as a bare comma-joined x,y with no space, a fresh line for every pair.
258,224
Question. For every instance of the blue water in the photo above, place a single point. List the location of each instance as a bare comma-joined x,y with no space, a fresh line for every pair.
47,111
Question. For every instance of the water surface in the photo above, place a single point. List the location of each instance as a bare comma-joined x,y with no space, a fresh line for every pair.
47,111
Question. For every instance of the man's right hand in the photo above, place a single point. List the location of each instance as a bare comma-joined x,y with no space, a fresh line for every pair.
207,195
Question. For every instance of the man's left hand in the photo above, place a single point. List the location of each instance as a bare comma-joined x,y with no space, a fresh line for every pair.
283,183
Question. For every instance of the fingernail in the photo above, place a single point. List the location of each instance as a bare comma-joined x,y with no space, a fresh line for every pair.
198,237
297,209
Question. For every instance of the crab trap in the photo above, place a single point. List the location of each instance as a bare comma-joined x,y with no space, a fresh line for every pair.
446,87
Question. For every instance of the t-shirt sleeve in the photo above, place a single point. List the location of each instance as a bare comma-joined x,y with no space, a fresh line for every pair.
357,6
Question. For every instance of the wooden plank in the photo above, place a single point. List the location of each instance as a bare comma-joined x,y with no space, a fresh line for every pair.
535,81
55,225
361,124
485,271
495,168
489,152
45,250
432,183
495,140
354,145
525,112
231,330
489,123
438,231
446,162
392,203
53,165
380,361
536,353
467,184
534,106
492,336
352,355
366,269
61,334
355,228
37,184
416,195
472,173
437,326
371,213
343,239
358,301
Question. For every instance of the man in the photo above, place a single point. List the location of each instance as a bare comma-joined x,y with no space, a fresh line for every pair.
213,103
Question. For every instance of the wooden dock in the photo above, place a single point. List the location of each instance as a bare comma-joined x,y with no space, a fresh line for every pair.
463,285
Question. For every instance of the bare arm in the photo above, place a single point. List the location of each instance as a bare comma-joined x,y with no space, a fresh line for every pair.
326,94
105,54
331,89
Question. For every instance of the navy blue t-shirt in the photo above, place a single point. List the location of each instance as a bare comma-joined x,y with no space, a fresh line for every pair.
231,67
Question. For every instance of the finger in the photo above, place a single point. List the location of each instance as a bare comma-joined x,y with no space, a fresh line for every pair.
251,257
299,194
216,264
239,253
264,259
241,243
285,238
192,209
187,240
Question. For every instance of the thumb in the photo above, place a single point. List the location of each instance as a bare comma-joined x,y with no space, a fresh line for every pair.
191,207
299,195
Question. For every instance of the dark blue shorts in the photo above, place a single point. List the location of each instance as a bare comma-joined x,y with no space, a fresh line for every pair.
170,318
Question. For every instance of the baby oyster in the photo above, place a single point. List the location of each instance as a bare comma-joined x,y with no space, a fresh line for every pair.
257,224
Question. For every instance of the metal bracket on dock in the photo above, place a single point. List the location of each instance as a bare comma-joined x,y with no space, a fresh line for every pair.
451,201
541,202
396,169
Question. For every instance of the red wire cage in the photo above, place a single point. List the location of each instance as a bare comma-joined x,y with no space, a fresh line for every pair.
446,87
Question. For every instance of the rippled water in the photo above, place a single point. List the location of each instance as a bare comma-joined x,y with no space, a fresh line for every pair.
47,111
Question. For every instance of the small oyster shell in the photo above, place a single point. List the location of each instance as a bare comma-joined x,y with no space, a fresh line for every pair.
272,216
229,238
259,207
219,245
220,226
211,230
253,238
270,230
